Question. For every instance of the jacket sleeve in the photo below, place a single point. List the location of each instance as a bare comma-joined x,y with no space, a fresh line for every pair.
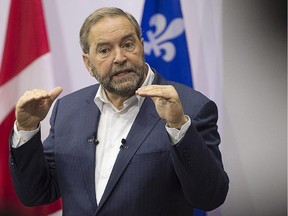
33,173
197,161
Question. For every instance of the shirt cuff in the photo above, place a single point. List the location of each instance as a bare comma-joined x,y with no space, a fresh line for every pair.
177,135
21,137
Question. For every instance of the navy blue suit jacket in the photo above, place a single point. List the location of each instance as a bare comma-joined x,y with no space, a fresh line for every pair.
150,177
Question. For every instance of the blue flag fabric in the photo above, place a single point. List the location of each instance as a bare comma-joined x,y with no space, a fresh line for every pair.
165,40
165,43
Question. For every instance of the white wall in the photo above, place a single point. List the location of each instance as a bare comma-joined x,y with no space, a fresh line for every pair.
255,107
254,87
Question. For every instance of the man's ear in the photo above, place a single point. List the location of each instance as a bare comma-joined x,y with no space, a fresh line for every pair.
86,60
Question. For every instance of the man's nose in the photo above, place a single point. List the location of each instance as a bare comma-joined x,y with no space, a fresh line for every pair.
120,56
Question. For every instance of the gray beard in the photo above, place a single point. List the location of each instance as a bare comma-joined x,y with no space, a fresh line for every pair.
115,87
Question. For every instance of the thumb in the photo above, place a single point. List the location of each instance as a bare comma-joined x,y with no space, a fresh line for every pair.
54,93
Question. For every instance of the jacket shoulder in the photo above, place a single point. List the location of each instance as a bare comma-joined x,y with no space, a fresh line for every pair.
86,93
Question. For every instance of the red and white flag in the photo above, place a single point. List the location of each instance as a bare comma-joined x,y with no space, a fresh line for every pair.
25,65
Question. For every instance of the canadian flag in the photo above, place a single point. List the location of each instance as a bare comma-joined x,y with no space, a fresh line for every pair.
25,65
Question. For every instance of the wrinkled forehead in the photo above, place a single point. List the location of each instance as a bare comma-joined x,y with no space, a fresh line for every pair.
111,26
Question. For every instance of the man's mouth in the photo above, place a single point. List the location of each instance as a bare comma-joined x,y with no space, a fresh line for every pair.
123,73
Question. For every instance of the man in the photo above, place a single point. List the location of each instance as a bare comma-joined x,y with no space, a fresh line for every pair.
135,144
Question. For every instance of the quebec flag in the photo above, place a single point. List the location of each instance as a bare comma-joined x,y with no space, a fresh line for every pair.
165,43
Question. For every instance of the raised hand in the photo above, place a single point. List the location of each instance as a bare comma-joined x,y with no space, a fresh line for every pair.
33,107
167,103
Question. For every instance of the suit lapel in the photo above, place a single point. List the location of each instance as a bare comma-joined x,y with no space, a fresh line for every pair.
88,123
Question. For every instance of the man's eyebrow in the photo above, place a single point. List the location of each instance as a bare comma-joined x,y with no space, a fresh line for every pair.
131,35
101,43
104,43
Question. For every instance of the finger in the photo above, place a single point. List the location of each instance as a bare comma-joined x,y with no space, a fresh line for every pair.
39,96
163,91
33,95
152,90
54,93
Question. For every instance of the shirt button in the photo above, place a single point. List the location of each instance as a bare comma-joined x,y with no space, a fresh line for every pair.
105,174
111,145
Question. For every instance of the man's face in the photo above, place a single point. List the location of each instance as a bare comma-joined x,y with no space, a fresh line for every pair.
116,56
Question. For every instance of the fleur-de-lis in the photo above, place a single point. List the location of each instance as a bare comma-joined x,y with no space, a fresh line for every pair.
159,39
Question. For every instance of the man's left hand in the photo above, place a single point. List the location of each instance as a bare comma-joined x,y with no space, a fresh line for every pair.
167,103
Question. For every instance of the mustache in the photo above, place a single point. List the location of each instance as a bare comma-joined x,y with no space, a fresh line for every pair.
123,70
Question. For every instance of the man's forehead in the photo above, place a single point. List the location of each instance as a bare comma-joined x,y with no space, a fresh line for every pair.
119,27
110,22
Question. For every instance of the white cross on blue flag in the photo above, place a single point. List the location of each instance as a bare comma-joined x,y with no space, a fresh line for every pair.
165,40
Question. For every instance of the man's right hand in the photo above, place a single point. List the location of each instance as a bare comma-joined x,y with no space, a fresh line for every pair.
33,107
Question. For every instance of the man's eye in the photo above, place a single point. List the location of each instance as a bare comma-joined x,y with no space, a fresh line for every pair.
103,51
129,45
